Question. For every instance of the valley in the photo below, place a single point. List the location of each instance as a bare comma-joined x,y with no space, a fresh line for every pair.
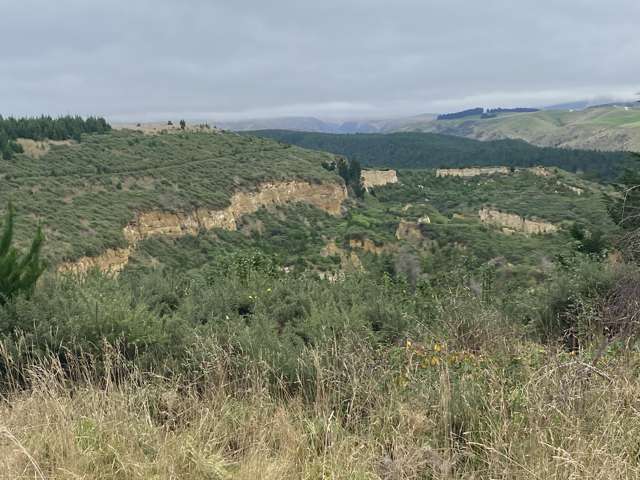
197,277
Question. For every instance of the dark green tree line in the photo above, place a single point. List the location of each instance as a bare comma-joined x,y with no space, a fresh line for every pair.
46,127
432,150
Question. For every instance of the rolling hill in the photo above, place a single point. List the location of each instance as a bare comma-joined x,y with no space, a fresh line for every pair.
125,199
84,194
608,127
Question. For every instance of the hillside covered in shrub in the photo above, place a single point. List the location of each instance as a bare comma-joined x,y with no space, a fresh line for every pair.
396,334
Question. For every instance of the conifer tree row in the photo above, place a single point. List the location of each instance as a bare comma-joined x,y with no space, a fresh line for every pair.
45,127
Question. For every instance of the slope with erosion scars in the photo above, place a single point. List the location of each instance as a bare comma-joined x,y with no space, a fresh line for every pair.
472,171
325,196
512,222
378,178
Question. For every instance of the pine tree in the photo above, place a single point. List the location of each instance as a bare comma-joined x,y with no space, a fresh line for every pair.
625,208
19,272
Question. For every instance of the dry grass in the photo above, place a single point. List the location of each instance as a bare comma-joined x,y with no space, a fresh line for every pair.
39,148
555,418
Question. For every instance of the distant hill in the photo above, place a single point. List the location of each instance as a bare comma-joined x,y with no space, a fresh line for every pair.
578,125
606,127
430,150
312,124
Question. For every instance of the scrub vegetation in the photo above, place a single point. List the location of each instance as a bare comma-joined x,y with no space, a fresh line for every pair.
401,339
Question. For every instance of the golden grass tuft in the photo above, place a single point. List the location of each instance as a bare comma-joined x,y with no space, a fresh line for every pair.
531,414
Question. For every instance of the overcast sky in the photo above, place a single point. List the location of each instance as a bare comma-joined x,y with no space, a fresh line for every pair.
231,59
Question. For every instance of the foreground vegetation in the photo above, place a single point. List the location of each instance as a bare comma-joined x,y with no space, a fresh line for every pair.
254,373
307,345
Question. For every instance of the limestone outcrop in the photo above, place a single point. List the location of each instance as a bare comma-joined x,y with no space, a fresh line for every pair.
478,171
541,171
472,172
377,178
409,231
39,148
327,197
511,222
111,261
367,245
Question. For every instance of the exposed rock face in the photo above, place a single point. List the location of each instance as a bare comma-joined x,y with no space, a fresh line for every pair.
475,172
541,171
409,231
472,172
111,261
510,222
367,245
377,178
325,196
576,190
349,261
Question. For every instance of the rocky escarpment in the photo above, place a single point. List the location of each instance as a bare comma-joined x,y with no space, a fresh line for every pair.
472,172
377,178
325,196
510,222
409,231
111,261
366,245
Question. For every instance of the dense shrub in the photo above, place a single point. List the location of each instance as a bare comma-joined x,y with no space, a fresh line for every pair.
572,301
18,272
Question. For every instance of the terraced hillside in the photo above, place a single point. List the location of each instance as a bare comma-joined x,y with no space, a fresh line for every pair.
85,194
598,128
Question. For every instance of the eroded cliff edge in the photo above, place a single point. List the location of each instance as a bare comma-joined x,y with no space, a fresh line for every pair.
325,196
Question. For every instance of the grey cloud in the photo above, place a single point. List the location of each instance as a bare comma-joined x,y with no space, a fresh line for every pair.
149,59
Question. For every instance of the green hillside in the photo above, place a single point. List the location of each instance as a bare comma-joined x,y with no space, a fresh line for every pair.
444,324
85,193
600,128
428,150
296,236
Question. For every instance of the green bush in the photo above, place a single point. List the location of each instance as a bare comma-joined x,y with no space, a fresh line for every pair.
18,272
